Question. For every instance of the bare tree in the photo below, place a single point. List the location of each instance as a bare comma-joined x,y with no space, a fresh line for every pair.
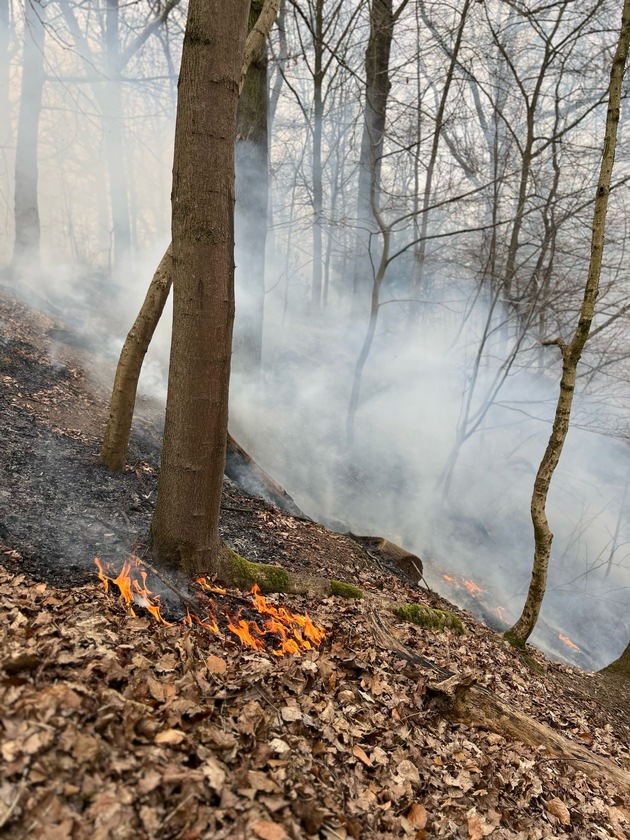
572,351
27,225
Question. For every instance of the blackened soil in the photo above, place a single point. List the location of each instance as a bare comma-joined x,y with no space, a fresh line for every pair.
59,508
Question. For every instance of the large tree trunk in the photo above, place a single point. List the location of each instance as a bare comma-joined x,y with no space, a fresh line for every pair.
252,192
185,528
27,227
572,352
116,440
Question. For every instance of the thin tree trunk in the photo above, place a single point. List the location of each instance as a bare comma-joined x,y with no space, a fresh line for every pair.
27,225
317,174
116,439
427,197
113,125
185,527
377,86
572,352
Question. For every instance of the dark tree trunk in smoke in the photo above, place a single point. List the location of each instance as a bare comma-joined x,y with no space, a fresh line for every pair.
27,226
113,124
185,528
572,352
377,86
252,191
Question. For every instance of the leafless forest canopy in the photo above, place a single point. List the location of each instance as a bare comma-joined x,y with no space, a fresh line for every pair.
427,232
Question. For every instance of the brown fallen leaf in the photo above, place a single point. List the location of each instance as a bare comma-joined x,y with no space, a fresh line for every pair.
359,753
559,810
170,737
267,830
475,832
417,816
216,665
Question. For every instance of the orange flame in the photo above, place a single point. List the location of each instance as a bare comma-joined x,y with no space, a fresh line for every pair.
568,641
501,614
297,632
449,578
472,587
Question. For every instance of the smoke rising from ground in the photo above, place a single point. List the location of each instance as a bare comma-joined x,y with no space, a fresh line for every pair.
390,480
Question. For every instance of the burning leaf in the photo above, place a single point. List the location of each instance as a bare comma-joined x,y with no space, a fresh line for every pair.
559,810
295,632
417,816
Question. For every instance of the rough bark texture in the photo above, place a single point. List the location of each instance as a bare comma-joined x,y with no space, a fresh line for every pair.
572,352
185,525
116,439
27,228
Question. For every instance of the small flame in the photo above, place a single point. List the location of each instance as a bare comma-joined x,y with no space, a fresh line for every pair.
449,578
568,642
501,614
472,587
296,632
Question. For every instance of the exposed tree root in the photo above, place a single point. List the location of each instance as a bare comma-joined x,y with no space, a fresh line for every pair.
458,698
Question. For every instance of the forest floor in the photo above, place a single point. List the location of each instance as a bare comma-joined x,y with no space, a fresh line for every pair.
115,726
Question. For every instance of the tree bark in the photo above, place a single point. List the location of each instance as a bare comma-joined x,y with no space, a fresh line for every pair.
252,196
27,225
116,439
114,451
572,352
185,527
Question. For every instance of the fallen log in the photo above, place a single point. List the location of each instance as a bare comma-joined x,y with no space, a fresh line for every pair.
459,698
409,564
241,468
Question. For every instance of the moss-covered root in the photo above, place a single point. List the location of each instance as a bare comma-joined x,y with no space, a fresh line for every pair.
345,590
243,574
429,618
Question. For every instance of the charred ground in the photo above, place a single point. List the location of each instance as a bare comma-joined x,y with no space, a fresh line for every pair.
115,727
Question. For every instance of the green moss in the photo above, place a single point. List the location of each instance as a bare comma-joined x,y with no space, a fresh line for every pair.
514,640
532,664
244,574
429,618
345,590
